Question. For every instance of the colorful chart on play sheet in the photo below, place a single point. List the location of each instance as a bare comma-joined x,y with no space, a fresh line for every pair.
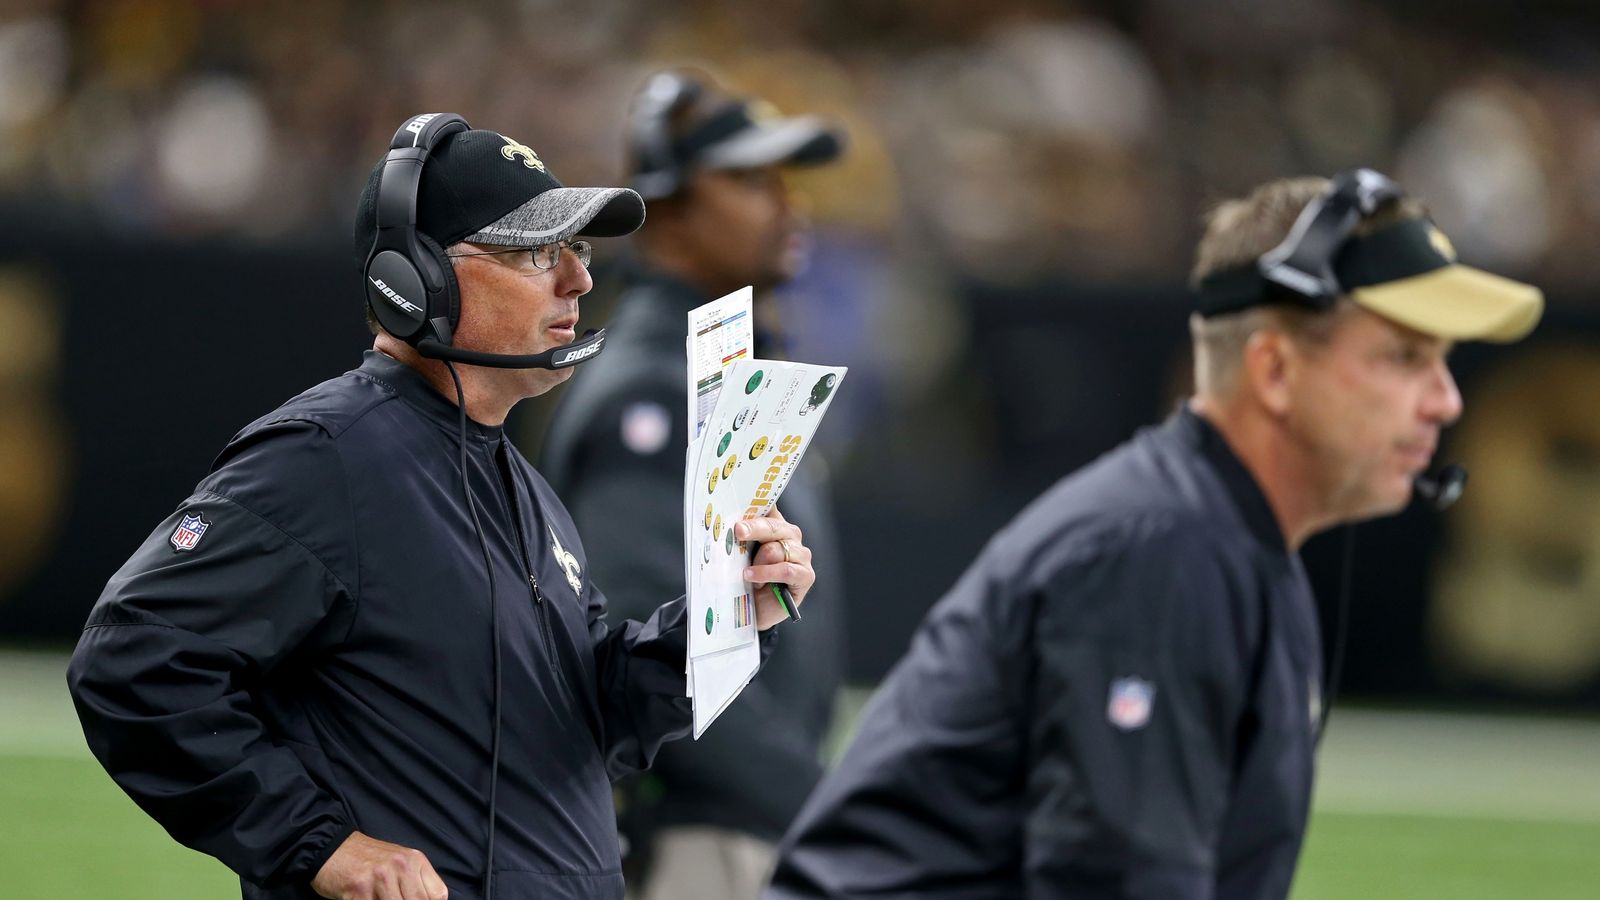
754,440
720,333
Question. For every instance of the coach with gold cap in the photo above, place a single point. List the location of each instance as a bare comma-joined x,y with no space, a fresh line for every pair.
1122,697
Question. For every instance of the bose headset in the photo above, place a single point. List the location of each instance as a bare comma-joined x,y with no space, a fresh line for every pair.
411,287
1300,270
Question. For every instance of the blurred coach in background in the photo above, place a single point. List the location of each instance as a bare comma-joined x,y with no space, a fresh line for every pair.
1122,696
712,167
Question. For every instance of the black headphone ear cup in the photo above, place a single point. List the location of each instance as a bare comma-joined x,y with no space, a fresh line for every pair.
660,173
447,277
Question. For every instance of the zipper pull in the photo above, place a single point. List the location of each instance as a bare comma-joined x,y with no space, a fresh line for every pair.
538,595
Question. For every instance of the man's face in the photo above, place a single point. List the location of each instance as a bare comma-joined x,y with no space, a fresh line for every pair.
743,228
508,305
1368,405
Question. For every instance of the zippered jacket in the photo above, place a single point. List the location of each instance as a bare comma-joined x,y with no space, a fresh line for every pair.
304,648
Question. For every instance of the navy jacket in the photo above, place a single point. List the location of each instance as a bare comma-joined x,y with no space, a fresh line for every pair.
1118,700
304,648
595,464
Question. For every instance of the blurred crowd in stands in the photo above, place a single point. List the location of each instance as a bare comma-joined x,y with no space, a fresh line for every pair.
1000,258
1004,141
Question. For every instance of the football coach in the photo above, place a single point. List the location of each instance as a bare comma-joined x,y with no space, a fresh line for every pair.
1121,697
366,658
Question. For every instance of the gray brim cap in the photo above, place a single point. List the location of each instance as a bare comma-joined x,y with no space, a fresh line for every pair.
800,140
563,213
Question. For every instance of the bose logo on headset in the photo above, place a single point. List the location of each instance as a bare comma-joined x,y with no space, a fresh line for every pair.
416,125
580,353
395,298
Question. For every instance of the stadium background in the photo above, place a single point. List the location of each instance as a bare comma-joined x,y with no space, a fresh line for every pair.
1001,262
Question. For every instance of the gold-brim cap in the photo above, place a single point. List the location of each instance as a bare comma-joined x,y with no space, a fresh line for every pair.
1457,302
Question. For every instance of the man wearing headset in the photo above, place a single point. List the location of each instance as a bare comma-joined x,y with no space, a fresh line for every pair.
1122,696
365,658
713,168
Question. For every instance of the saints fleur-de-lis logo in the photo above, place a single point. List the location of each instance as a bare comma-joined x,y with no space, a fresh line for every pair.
512,150
761,111
569,564
1441,243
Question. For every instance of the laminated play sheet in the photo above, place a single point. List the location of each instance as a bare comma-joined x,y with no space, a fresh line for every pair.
754,422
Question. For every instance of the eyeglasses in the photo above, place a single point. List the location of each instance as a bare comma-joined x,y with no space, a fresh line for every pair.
545,256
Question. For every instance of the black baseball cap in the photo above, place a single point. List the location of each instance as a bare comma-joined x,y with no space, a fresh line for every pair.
484,187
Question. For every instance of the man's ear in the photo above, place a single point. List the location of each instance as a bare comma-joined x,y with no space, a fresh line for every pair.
1268,369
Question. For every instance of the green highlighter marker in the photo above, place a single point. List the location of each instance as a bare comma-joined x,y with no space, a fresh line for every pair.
787,602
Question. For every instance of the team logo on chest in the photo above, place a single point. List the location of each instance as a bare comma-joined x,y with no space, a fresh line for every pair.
189,532
569,564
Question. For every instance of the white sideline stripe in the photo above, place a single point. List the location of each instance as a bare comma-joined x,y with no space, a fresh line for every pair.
1410,809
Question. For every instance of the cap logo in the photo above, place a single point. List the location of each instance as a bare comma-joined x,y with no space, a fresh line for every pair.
512,150
1441,243
762,112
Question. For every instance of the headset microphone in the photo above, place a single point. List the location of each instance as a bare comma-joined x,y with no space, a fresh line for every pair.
1442,487
562,357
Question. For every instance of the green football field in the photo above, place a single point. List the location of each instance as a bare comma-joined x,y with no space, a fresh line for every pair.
1408,805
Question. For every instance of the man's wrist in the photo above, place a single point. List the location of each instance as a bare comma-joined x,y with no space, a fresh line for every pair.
305,871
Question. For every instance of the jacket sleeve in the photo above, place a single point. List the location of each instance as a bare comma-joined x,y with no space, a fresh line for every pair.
163,672
640,667
1140,680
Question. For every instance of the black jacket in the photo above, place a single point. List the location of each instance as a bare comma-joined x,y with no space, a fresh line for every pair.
601,471
1118,699
318,658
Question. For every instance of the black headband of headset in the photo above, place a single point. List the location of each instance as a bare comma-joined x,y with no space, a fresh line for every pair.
1300,269
401,180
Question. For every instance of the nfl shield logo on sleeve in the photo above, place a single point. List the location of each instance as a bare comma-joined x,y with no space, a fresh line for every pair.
189,532
1129,705
646,427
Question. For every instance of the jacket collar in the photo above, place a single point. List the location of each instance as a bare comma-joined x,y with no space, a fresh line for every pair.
1251,503
421,396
